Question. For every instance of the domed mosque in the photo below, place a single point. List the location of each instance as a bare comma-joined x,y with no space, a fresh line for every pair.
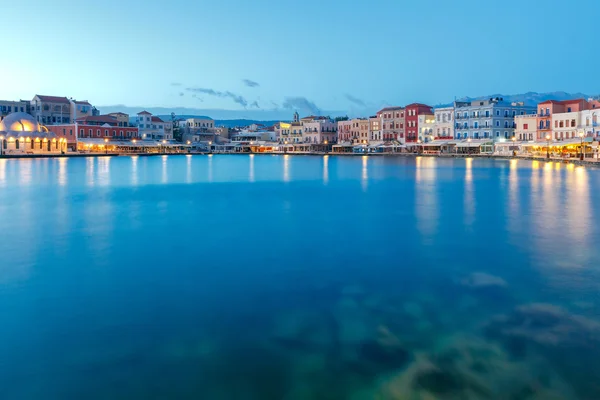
21,133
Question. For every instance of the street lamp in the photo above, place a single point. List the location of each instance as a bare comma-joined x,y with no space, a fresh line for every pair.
581,137
1,145
106,145
548,146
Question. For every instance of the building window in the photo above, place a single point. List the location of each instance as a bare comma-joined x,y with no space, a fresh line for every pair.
497,113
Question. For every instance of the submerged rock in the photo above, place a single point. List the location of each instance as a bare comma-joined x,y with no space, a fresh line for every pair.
546,324
483,280
391,357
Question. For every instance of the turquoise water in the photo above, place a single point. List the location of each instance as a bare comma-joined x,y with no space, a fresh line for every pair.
291,277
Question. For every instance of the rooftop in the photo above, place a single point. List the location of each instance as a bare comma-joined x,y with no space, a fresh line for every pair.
104,119
53,99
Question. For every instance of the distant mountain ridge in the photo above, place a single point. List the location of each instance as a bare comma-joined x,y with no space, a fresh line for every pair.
529,98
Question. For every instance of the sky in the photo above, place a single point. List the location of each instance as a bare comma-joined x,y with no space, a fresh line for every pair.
266,57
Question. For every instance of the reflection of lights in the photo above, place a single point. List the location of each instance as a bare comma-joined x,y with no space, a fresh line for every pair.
251,170
325,168
164,178
62,171
286,168
365,172
469,203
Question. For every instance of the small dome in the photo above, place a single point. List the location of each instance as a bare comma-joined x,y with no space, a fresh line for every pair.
21,124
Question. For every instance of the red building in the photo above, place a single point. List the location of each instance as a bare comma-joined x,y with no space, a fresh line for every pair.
412,120
72,132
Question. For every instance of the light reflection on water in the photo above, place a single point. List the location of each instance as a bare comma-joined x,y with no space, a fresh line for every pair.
357,275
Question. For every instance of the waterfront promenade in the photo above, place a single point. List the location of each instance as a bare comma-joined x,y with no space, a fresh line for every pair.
571,160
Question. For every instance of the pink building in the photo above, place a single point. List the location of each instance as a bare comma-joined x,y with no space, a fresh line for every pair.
392,123
561,120
343,130
319,130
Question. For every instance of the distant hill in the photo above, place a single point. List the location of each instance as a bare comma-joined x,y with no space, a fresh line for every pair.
529,98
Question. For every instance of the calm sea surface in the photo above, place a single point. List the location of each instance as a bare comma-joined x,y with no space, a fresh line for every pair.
290,277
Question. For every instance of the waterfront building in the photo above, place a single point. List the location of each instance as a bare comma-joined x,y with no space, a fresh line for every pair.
199,124
102,127
9,106
253,137
426,122
392,121
122,118
80,109
444,123
290,132
22,133
319,130
375,128
565,119
153,128
590,122
413,112
491,118
51,109
359,130
526,127
344,129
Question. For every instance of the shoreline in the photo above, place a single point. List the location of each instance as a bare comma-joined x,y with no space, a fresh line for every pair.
574,161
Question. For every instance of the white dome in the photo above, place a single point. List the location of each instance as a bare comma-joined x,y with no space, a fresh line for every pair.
20,124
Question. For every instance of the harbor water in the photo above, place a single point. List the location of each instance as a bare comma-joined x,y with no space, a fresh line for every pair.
298,277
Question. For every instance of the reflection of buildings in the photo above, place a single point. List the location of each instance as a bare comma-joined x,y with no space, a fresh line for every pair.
21,133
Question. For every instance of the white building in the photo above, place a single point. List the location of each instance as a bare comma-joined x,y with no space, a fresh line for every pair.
590,122
444,123
426,126
153,128
526,127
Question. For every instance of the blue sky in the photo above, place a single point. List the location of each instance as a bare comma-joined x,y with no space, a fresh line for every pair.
345,56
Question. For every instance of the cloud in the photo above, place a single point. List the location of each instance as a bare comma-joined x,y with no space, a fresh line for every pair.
301,103
175,84
275,105
254,104
211,92
355,100
181,93
250,83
